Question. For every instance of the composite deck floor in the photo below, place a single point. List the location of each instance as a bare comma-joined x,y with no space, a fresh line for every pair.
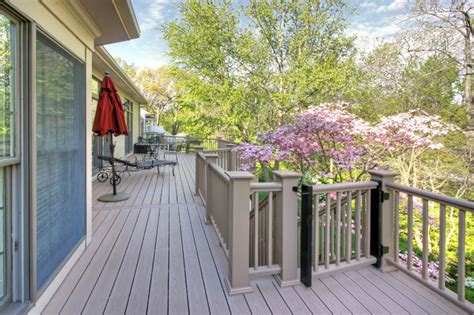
153,254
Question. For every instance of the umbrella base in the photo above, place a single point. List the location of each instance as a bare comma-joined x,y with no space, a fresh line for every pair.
121,196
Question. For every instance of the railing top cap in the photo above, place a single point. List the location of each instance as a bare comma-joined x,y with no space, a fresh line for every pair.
240,175
211,155
382,173
288,174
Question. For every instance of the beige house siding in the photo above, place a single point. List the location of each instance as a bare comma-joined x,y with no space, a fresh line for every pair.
76,33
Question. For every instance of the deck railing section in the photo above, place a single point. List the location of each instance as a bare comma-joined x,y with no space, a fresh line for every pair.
255,242
217,204
341,227
347,226
408,196
230,160
262,228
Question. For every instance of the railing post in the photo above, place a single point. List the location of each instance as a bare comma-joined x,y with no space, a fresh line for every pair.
381,218
198,149
306,251
210,158
220,142
286,228
239,224
231,158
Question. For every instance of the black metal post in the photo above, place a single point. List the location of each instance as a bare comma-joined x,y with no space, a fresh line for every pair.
377,249
112,149
306,252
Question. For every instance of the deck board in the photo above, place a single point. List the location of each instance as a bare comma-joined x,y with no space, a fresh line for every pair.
118,299
153,254
158,293
100,294
138,299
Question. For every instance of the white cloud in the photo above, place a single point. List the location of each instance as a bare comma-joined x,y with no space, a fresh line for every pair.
367,4
370,36
395,5
153,14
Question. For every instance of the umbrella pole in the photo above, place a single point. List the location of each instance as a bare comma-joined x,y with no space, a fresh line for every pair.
112,149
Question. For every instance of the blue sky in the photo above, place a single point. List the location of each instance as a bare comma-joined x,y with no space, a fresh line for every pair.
373,21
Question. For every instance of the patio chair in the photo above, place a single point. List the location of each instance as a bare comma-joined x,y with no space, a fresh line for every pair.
133,166
172,150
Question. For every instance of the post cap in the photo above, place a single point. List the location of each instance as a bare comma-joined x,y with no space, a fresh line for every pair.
288,174
382,173
240,175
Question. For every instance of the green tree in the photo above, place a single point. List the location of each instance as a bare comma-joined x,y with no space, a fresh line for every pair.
254,65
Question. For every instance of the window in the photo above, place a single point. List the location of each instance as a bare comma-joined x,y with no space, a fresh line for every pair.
95,88
7,88
128,107
60,154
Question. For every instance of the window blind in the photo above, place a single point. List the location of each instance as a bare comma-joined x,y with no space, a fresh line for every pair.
60,123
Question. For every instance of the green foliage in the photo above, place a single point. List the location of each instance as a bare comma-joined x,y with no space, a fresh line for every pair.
253,66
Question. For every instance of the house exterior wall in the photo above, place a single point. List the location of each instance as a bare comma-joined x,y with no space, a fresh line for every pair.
55,19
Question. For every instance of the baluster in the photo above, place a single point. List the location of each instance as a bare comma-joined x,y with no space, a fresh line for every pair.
396,225
338,229
261,240
323,239
424,271
442,246
251,228
343,229
363,209
349,227
270,229
333,236
367,224
228,211
462,255
255,217
357,225
328,236
316,232
410,233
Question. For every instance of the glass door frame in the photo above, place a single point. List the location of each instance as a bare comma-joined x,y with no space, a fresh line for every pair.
16,177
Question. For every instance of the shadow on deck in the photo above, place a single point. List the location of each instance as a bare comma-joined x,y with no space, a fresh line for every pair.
153,254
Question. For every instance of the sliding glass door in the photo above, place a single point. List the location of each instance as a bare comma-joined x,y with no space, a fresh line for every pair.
60,156
8,145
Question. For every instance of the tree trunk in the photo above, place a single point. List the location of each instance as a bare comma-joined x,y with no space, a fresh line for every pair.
468,97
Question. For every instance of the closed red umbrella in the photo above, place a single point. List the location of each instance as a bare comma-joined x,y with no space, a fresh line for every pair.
110,120
110,116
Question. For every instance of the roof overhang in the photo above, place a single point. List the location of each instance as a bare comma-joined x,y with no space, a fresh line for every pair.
110,21
102,61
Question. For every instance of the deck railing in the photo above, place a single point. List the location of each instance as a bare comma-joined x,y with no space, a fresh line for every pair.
347,226
435,202
255,242
341,226
189,143
262,228
228,159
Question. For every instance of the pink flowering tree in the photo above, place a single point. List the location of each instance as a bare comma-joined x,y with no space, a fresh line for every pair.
333,145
